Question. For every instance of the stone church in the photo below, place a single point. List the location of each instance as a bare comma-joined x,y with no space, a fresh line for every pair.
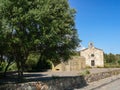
94,57
89,57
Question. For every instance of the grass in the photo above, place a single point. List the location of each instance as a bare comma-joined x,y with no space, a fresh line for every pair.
85,72
111,65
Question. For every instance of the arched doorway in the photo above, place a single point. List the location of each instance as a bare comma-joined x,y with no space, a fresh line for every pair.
92,62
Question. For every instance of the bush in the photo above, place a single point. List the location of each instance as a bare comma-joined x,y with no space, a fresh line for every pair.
13,67
118,62
88,67
85,72
43,65
99,67
2,66
32,61
111,65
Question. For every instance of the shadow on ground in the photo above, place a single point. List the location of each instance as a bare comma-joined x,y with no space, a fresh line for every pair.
54,82
13,78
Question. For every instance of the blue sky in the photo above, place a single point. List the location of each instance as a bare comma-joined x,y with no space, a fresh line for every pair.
98,21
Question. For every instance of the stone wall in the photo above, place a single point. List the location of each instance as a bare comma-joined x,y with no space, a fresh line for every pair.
76,63
71,83
66,83
101,75
61,83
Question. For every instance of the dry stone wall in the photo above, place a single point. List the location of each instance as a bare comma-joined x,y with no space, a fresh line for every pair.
101,75
61,83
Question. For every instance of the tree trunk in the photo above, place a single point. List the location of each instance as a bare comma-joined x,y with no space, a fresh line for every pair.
39,62
19,68
6,68
22,69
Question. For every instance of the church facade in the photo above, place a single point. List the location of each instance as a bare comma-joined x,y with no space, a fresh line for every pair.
94,57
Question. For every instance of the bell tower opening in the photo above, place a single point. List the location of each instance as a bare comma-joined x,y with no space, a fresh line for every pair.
90,45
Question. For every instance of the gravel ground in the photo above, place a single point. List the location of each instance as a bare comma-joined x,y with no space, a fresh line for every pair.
39,76
72,73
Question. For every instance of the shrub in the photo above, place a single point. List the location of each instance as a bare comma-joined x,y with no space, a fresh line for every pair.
88,67
32,61
2,66
13,67
85,72
111,65
118,62
99,67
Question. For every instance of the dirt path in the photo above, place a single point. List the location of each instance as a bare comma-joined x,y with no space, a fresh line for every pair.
75,73
40,76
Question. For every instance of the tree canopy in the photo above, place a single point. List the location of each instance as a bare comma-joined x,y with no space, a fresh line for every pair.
43,26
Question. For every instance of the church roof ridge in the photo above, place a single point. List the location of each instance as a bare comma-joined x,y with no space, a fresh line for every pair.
94,47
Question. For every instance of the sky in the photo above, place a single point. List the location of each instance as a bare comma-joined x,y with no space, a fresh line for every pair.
98,21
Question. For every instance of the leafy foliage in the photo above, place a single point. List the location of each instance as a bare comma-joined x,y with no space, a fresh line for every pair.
85,72
112,60
41,26
32,61
2,66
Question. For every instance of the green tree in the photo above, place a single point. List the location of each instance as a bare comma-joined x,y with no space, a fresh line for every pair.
19,21
6,55
110,58
43,26
59,36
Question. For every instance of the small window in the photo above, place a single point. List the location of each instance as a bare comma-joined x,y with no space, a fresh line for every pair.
92,55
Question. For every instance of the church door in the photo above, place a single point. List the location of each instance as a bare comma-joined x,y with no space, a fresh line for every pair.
92,62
